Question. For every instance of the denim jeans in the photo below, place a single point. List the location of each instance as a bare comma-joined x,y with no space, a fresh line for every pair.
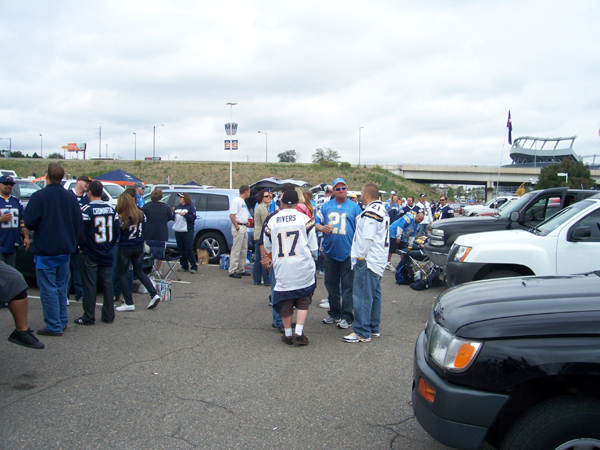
276,317
185,247
115,280
367,300
54,284
336,272
76,275
134,255
91,273
259,271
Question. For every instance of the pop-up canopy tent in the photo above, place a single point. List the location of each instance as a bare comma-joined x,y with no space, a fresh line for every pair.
119,177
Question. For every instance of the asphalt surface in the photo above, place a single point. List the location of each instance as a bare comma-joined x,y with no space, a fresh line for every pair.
207,370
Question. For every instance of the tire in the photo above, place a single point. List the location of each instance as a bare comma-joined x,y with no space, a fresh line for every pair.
500,274
563,423
215,242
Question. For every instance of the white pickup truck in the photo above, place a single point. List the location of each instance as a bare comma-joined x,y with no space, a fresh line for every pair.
565,244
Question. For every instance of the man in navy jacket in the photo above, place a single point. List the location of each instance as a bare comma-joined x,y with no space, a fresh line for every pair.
54,214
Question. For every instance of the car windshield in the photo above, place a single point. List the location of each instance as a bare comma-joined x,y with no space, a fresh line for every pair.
517,205
546,227
114,190
26,189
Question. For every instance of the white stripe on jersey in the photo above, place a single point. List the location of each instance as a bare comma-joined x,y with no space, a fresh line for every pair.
371,238
290,236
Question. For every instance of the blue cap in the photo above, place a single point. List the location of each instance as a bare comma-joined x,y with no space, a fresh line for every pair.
7,179
339,180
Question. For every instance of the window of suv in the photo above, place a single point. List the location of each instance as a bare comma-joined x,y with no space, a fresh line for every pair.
517,205
593,221
561,217
217,202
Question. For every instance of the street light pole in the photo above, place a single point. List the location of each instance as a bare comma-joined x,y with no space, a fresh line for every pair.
41,146
231,105
266,145
359,128
134,146
154,140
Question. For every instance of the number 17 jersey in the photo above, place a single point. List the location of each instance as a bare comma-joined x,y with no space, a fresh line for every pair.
100,232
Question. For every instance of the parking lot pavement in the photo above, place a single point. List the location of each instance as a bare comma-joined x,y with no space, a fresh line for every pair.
207,370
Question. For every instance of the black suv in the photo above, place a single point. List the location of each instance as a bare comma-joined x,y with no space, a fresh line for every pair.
532,208
514,362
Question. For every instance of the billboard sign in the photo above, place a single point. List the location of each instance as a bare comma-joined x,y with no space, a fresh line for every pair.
76,147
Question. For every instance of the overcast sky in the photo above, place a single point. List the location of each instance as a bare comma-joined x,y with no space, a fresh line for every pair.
429,81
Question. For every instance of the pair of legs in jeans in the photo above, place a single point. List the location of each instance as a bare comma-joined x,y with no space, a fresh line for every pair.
91,273
53,284
366,295
134,255
259,272
336,272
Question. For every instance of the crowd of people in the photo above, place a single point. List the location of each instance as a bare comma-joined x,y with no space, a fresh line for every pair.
83,241
348,242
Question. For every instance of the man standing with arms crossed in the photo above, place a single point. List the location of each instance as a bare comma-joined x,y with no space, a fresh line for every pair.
100,232
239,216
336,220
54,214
369,257
12,227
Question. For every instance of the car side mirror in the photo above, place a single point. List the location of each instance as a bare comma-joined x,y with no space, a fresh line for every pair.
514,216
104,197
580,233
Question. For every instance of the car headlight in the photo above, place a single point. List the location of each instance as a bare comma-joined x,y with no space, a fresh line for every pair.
461,253
437,232
451,353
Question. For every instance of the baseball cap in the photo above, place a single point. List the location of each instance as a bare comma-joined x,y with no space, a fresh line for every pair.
393,193
84,178
289,197
353,196
7,179
339,180
423,195
138,185
180,194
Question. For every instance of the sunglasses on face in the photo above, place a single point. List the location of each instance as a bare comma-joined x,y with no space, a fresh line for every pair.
343,188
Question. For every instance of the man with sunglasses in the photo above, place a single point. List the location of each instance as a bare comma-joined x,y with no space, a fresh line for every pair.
12,227
337,220
444,211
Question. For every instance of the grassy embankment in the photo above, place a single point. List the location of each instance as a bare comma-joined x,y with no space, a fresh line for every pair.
217,173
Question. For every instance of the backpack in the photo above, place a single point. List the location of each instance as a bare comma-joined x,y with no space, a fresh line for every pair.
404,274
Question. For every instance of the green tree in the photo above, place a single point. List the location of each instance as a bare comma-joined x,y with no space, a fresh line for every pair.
327,155
451,194
289,156
17,154
579,175
54,155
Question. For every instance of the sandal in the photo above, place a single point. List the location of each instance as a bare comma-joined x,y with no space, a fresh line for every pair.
81,322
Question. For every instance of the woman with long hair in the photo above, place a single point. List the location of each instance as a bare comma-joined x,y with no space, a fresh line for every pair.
131,250
307,202
301,206
261,211
185,218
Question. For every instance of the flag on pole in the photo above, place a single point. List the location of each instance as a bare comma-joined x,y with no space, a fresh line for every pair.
509,126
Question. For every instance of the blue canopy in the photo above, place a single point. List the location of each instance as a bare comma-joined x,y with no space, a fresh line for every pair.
119,177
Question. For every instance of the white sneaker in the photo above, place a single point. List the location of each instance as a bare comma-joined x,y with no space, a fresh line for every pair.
142,289
324,305
343,324
154,302
125,307
390,267
375,335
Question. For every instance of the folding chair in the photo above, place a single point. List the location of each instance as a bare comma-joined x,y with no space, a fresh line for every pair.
162,255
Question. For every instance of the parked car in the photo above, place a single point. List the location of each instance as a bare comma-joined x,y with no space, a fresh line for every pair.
512,362
148,188
10,173
533,208
213,225
493,204
493,211
110,194
567,243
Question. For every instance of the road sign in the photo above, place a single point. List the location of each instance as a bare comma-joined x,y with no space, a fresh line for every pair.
229,125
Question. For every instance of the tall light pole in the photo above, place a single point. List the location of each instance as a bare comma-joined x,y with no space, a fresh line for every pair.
231,105
359,128
266,145
154,140
134,146
41,146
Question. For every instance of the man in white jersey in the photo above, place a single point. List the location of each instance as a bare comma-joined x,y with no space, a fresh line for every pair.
369,258
239,216
290,236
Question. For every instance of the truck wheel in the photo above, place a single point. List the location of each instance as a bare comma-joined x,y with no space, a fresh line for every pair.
500,274
216,243
563,423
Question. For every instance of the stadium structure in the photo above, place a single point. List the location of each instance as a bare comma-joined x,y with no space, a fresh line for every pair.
528,151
